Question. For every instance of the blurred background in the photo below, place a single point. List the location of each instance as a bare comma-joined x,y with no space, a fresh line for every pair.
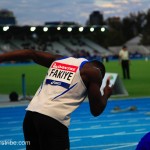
89,29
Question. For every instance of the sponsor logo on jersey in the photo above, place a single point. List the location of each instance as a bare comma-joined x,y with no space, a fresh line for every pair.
61,74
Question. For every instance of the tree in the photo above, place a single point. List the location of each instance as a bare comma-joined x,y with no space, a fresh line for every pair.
146,30
115,35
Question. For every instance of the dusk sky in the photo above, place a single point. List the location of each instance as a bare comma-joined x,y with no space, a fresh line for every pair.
37,12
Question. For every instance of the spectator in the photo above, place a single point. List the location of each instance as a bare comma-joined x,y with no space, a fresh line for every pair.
124,60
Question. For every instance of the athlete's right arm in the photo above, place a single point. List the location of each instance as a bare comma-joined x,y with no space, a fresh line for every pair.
41,58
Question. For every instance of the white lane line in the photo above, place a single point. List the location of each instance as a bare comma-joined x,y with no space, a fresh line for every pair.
9,128
143,129
76,140
111,127
13,122
120,147
5,118
120,133
104,145
107,135
132,121
110,120
95,127
16,129
115,123
75,121
16,134
10,122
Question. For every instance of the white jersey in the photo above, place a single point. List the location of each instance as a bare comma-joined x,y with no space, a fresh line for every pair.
62,90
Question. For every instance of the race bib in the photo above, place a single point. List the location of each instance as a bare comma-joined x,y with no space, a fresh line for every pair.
61,74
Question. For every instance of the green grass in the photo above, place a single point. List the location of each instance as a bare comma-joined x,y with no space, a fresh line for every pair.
139,84
10,77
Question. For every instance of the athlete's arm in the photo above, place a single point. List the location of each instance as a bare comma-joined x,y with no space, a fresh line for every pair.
97,101
41,58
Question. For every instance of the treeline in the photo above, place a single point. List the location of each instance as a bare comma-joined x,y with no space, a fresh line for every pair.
121,30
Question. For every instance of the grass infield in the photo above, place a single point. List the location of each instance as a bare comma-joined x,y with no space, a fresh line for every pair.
11,77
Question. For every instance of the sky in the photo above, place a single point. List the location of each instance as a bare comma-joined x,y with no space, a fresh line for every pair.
37,12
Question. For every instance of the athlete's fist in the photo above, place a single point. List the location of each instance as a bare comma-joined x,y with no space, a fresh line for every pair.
108,89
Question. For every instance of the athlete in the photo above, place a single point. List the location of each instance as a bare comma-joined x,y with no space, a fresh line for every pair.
68,82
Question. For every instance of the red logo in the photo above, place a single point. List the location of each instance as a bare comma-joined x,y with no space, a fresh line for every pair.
65,67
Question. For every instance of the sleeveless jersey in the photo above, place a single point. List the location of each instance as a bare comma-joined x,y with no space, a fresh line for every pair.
62,90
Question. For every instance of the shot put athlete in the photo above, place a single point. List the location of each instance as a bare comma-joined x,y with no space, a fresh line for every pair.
68,82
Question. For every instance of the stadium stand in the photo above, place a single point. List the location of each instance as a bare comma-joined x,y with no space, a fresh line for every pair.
78,46
59,48
134,41
69,46
96,47
148,47
138,49
75,45
133,49
6,46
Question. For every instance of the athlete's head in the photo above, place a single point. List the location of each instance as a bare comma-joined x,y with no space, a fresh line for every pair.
100,65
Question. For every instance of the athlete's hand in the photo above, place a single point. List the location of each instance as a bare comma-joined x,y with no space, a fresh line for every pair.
108,89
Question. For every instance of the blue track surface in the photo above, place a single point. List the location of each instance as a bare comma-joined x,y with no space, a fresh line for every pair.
110,131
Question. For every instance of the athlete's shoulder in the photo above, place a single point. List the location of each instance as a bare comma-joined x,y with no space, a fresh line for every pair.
91,71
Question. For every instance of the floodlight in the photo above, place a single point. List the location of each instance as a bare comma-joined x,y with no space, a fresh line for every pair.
92,29
5,28
81,29
103,29
45,29
58,28
69,29
32,29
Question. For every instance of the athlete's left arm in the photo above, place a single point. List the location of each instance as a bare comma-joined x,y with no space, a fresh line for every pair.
41,58
97,101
